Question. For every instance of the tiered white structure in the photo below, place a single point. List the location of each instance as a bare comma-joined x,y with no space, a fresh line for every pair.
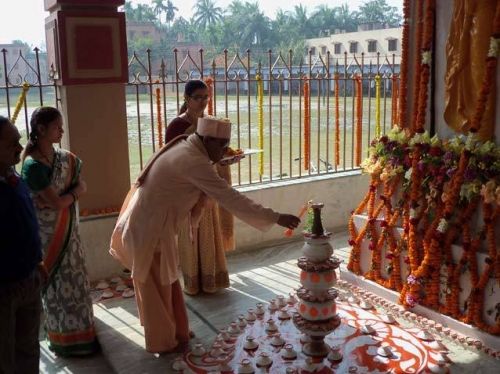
316,315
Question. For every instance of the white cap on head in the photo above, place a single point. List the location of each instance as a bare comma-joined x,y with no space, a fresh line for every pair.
214,127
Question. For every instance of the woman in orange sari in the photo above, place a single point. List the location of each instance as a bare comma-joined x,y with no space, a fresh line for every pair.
53,176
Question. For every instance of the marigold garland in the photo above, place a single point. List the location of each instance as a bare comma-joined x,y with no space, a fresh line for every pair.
210,106
417,63
438,196
20,101
436,211
260,119
359,120
307,125
356,238
403,91
490,73
425,66
159,122
337,120
475,302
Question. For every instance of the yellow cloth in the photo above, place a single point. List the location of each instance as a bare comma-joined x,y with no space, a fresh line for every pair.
466,51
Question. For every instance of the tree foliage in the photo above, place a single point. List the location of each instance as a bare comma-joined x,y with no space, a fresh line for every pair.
243,25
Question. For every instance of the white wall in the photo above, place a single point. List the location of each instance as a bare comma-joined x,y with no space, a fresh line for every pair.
340,193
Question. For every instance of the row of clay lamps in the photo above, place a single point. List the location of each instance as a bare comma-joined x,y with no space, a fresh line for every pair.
421,321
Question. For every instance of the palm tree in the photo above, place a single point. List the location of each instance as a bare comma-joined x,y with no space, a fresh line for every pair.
346,20
207,13
144,13
301,20
324,18
129,11
170,10
378,11
159,8
257,25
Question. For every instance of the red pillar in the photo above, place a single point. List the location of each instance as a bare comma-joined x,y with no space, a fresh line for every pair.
86,44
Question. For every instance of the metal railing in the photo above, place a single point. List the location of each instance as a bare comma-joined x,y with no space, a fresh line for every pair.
235,97
153,77
19,66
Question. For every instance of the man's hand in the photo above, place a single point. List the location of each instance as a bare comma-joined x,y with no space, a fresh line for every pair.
289,221
233,160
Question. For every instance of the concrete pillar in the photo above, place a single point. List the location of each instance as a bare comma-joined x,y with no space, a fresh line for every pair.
86,45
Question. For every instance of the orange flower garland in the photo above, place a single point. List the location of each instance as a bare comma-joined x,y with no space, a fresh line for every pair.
432,251
359,120
431,223
490,73
210,106
451,306
425,67
386,235
417,64
307,125
337,120
403,92
478,289
356,238
159,122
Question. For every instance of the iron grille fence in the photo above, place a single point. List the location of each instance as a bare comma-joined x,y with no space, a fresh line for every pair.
160,80
19,65
154,94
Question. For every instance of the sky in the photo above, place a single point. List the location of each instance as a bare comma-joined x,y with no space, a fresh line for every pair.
24,19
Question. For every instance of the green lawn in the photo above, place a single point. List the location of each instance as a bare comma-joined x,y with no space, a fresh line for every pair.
282,144
279,156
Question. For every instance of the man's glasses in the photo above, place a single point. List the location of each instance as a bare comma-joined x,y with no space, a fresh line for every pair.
200,97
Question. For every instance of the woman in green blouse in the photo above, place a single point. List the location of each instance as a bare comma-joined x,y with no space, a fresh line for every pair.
53,176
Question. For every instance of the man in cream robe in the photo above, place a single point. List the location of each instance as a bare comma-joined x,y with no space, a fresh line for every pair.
174,187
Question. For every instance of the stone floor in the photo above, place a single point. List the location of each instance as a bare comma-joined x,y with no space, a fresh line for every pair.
256,276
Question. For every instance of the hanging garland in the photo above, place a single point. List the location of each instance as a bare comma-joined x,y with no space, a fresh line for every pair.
420,33
490,73
356,238
307,125
377,105
20,101
337,120
210,106
410,294
359,119
159,122
260,120
453,191
425,66
403,92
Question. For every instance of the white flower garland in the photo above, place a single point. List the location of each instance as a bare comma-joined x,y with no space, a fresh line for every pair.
442,226
494,48
426,57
